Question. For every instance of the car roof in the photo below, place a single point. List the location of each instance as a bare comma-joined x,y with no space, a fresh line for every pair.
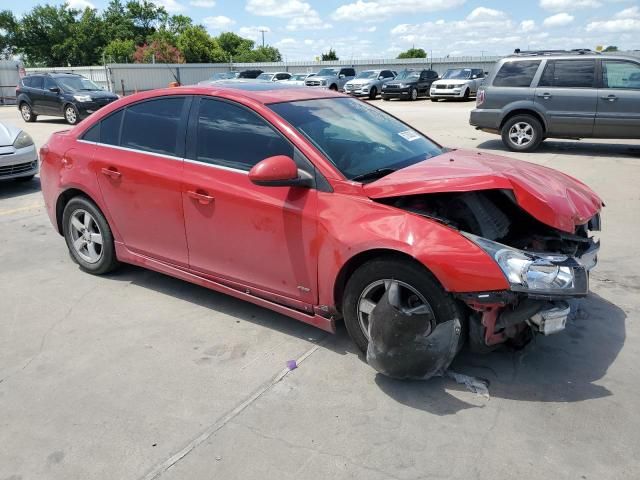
570,55
263,92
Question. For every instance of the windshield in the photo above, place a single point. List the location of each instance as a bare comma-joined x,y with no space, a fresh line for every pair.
408,74
224,75
328,72
368,74
298,76
265,76
76,84
459,74
357,137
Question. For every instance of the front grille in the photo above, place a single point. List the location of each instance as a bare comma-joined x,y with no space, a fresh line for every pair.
313,83
8,170
392,86
440,87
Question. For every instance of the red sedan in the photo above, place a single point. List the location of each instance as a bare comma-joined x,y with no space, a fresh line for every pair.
323,207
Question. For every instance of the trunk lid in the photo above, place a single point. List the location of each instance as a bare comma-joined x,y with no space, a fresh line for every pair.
548,195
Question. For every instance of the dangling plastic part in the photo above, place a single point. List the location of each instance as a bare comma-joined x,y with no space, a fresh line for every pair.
406,346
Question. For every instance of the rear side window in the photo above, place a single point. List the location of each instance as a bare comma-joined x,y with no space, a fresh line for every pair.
37,82
232,136
110,128
93,134
153,126
569,74
620,74
27,81
516,74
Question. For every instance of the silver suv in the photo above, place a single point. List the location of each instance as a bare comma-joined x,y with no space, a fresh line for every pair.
331,78
575,94
369,83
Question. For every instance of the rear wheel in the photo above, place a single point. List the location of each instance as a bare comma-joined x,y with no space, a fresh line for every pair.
419,290
88,236
27,113
522,133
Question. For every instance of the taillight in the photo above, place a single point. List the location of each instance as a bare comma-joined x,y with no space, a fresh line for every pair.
479,98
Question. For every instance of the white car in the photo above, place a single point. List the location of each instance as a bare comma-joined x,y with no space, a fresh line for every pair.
18,156
298,79
457,83
274,76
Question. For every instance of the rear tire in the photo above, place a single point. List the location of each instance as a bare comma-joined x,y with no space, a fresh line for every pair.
89,237
27,113
522,133
417,277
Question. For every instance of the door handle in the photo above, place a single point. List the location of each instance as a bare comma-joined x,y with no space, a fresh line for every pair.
546,96
111,172
202,198
611,98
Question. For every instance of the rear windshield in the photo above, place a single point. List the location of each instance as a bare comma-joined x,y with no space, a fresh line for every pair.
516,74
355,136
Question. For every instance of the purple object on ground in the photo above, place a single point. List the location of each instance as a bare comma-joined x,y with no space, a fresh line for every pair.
291,364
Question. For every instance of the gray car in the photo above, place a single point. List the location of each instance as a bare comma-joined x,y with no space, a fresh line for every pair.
18,156
576,94
332,78
369,83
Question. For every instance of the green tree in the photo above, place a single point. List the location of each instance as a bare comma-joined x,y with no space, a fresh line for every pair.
120,51
413,53
234,46
147,18
611,48
330,55
85,43
8,27
118,24
259,54
198,47
179,23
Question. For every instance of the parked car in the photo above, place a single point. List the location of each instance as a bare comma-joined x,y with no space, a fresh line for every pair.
409,84
249,74
18,156
320,207
274,77
298,79
572,94
67,95
369,83
457,83
216,77
331,78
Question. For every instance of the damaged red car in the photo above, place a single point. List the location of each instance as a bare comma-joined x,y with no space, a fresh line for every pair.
323,207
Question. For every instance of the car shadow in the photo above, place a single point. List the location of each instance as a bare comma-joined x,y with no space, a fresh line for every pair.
573,147
558,368
11,188
241,310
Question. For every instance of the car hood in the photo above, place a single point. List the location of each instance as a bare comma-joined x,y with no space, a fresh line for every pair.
548,195
445,81
361,81
95,94
316,77
8,134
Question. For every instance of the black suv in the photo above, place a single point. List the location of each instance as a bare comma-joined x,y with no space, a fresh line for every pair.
409,84
67,95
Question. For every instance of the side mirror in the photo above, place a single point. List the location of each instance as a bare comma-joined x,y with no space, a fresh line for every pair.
54,90
279,171
342,75
473,77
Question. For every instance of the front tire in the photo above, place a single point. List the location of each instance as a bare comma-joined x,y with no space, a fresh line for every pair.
373,93
386,99
27,113
522,133
88,237
71,114
413,94
370,281
334,87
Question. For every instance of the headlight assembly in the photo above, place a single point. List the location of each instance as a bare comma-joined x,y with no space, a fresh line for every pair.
82,98
23,140
536,273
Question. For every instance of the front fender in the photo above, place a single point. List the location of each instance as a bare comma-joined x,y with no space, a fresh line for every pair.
349,226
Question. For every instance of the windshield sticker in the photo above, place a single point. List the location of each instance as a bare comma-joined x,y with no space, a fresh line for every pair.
409,135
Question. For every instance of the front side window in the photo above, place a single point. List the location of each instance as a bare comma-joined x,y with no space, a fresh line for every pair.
232,136
153,126
516,73
328,72
569,74
356,137
620,74
49,83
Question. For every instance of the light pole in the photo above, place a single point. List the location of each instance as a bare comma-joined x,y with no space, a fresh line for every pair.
263,32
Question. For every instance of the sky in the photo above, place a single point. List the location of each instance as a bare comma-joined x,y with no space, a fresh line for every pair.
303,29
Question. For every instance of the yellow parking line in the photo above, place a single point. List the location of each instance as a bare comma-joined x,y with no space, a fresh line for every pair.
21,209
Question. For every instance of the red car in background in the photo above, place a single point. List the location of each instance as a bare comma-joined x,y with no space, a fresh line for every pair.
316,206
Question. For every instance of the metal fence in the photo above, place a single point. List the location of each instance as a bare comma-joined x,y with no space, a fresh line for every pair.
9,77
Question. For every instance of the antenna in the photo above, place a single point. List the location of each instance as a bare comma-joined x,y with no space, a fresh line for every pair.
263,31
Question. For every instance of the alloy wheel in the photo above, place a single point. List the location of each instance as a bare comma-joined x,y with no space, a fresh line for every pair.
70,115
521,133
412,301
25,110
86,236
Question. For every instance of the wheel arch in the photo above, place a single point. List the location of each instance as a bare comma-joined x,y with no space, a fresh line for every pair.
355,262
524,111
64,198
